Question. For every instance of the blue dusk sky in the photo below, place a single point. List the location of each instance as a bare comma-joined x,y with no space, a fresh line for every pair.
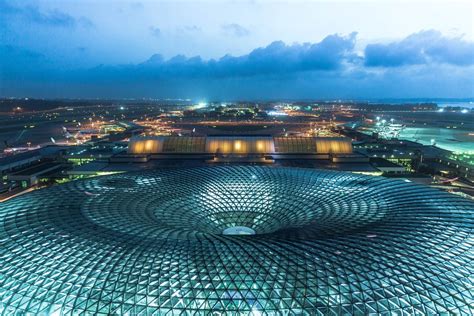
231,49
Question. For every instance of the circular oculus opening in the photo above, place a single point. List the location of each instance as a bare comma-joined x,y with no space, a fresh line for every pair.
238,230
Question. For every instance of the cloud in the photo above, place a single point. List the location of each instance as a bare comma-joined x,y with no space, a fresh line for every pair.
33,14
188,29
155,31
235,30
276,58
421,48
192,28
425,64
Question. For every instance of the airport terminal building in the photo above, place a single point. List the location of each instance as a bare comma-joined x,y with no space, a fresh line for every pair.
240,145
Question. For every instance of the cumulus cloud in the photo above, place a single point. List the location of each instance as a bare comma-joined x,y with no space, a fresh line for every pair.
33,14
421,48
188,29
155,31
235,29
276,58
425,64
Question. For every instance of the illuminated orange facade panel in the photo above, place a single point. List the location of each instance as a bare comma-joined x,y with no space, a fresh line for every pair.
146,145
333,146
240,145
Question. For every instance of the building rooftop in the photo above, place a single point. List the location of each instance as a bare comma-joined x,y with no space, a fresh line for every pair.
36,169
237,240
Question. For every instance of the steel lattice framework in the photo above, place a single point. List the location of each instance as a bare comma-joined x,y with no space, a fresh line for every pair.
325,243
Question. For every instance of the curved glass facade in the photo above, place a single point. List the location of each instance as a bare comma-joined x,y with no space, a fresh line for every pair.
237,240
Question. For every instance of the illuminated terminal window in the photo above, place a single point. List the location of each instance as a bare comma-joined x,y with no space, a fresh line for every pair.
239,145
333,145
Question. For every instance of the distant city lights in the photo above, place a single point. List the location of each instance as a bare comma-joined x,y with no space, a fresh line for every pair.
277,113
200,105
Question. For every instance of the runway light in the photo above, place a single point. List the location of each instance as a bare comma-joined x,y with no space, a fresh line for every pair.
464,111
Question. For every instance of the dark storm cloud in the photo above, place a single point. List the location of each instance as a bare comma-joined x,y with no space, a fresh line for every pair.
235,29
33,14
421,48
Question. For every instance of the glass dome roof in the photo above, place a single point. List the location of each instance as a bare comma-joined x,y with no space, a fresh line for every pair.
236,240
